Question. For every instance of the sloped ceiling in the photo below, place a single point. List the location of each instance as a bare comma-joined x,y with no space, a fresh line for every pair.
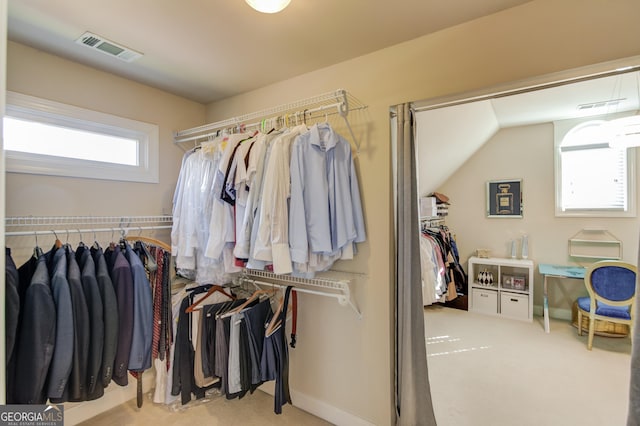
447,137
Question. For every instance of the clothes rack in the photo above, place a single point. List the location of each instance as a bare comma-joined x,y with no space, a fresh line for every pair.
326,287
340,100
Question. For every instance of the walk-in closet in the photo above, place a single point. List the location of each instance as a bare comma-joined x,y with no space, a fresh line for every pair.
221,221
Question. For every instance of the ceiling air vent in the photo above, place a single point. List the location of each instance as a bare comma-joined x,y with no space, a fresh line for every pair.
108,47
600,105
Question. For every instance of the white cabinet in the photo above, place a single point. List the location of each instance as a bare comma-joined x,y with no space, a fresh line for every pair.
501,287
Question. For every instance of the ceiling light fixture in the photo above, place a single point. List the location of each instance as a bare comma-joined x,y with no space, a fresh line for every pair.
268,6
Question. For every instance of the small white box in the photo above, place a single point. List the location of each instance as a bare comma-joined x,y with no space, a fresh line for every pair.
514,305
484,301
428,207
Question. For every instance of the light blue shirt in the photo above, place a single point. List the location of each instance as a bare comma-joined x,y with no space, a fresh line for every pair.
325,207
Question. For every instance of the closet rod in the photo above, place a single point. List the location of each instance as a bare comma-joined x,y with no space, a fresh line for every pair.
340,99
59,232
306,114
84,220
338,289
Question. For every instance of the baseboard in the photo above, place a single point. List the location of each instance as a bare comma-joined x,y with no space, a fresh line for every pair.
330,413
114,395
562,314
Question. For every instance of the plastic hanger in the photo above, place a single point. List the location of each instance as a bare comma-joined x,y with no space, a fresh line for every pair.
211,290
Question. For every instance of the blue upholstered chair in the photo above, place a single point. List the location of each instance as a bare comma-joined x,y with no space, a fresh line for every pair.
611,285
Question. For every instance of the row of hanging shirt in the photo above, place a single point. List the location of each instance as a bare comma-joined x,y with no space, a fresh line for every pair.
287,200
76,320
443,277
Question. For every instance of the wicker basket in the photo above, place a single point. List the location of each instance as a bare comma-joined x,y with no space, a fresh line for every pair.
603,328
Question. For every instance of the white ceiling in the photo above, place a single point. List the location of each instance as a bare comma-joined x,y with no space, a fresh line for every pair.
207,50
448,136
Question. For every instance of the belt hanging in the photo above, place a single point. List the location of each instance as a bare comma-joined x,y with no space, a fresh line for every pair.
294,317
294,314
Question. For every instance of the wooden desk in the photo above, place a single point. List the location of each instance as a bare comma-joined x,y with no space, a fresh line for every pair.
557,271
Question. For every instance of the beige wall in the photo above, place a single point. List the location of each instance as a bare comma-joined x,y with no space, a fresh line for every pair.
33,72
40,74
340,360
525,152
344,361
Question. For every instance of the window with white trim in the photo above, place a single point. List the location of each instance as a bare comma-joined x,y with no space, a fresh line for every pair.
593,179
51,138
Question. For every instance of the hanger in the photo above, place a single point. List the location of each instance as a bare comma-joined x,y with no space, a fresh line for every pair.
256,294
37,251
123,241
166,247
151,264
57,243
95,245
81,243
211,290
275,321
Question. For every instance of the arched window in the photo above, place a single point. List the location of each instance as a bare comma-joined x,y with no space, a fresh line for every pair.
592,178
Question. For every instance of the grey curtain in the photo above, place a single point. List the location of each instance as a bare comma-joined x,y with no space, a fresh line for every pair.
633,416
412,393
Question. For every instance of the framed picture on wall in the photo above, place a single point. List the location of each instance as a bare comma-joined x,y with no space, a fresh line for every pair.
504,198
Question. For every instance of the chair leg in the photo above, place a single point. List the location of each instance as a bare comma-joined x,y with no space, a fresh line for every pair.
579,322
592,329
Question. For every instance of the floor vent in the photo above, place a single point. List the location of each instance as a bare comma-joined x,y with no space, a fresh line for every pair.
108,47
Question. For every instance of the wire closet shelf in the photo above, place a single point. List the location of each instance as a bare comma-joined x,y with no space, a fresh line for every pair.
42,225
341,101
338,289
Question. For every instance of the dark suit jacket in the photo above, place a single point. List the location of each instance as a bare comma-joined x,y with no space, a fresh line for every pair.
123,284
93,381
76,386
140,356
12,303
110,306
36,340
63,353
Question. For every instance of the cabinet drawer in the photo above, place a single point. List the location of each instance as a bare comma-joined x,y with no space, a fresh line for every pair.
514,305
485,301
